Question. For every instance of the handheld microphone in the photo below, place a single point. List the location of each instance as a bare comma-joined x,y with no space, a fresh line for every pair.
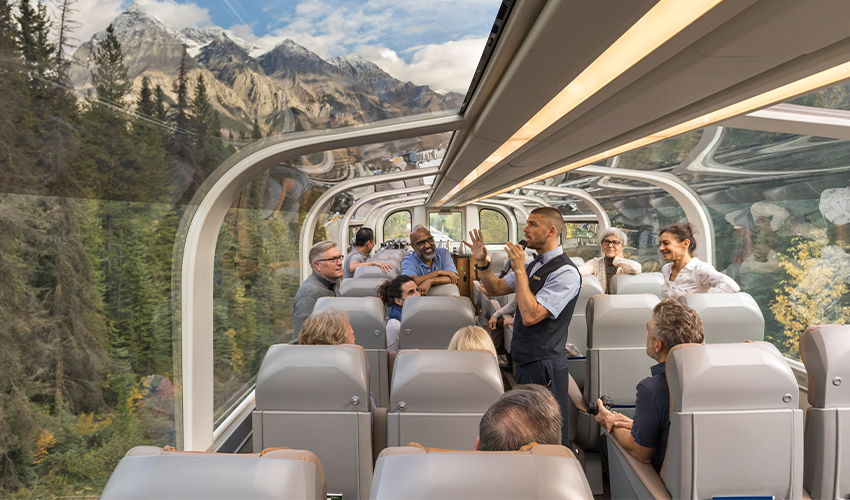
507,267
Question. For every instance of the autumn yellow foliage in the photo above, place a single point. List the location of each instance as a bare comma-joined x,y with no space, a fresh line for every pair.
46,440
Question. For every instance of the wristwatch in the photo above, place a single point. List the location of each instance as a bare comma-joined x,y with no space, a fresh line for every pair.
485,267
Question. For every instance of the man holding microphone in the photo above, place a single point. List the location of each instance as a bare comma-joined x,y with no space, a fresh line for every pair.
546,289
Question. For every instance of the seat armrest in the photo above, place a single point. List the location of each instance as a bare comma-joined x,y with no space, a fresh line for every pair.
379,432
644,472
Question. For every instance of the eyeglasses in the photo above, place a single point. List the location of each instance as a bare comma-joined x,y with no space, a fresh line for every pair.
338,258
422,242
610,243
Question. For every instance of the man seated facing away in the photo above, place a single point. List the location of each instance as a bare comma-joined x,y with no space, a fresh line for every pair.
326,261
527,414
364,242
645,437
428,265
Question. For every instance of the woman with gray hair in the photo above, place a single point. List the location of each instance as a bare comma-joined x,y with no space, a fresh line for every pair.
612,262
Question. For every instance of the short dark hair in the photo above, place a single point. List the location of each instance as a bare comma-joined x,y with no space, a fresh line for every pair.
390,290
682,232
528,413
364,235
552,217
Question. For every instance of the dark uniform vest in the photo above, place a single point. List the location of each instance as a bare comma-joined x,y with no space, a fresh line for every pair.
546,339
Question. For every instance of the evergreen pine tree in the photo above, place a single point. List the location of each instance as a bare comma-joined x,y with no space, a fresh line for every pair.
160,110
181,89
256,133
201,114
34,44
67,25
109,78
145,105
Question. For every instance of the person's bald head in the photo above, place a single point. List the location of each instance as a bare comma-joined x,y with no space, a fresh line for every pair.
423,243
528,413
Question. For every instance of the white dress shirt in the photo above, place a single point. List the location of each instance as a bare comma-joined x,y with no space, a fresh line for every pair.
696,277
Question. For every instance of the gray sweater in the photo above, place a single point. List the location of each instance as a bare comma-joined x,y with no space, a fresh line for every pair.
313,288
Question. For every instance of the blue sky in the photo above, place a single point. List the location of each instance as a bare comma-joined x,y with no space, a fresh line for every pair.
436,42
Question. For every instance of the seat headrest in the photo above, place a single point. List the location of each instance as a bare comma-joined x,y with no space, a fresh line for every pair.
430,322
365,315
578,261
590,286
360,287
618,320
164,473
637,283
447,290
826,353
313,378
374,272
544,471
445,381
701,377
727,317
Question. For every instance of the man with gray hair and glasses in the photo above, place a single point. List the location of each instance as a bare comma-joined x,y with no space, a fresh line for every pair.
645,436
612,240
326,261
527,414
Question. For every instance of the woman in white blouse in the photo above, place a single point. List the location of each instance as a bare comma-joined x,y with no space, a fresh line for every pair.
686,274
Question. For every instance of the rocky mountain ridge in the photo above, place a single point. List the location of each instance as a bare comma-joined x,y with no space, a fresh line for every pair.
286,87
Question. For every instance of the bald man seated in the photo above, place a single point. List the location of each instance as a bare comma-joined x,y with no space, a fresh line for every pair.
428,265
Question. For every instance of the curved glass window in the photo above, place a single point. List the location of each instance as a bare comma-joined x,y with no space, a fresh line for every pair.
494,226
397,225
446,227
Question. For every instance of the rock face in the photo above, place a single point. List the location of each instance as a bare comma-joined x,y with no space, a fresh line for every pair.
286,88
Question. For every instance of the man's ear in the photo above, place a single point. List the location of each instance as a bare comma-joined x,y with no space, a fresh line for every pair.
397,301
478,443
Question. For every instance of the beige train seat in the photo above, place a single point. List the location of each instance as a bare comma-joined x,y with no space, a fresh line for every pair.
622,284
437,398
727,317
540,472
374,272
366,317
745,440
578,328
360,287
430,322
396,263
316,397
578,261
152,473
826,353
446,290
616,362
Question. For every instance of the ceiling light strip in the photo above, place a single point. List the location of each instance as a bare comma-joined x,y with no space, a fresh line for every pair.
808,84
661,23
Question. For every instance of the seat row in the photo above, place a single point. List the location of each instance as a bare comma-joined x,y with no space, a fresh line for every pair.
408,472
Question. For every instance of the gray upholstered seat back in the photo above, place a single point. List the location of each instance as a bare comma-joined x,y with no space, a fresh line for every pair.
396,263
374,272
360,287
317,398
637,283
437,398
616,346
430,322
366,316
578,261
497,260
727,317
578,327
544,472
447,290
826,353
729,438
151,473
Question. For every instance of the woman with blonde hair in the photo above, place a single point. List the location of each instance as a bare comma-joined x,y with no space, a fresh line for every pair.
328,327
472,338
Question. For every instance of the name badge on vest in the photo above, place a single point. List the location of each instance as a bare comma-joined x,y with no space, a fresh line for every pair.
536,278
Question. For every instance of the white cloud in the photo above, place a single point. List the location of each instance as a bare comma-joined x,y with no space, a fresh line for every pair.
179,15
446,66
93,16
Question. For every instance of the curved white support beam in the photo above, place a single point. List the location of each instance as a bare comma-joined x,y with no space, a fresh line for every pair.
309,225
385,211
349,215
688,199
377,206
523,197
196,242
598,211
